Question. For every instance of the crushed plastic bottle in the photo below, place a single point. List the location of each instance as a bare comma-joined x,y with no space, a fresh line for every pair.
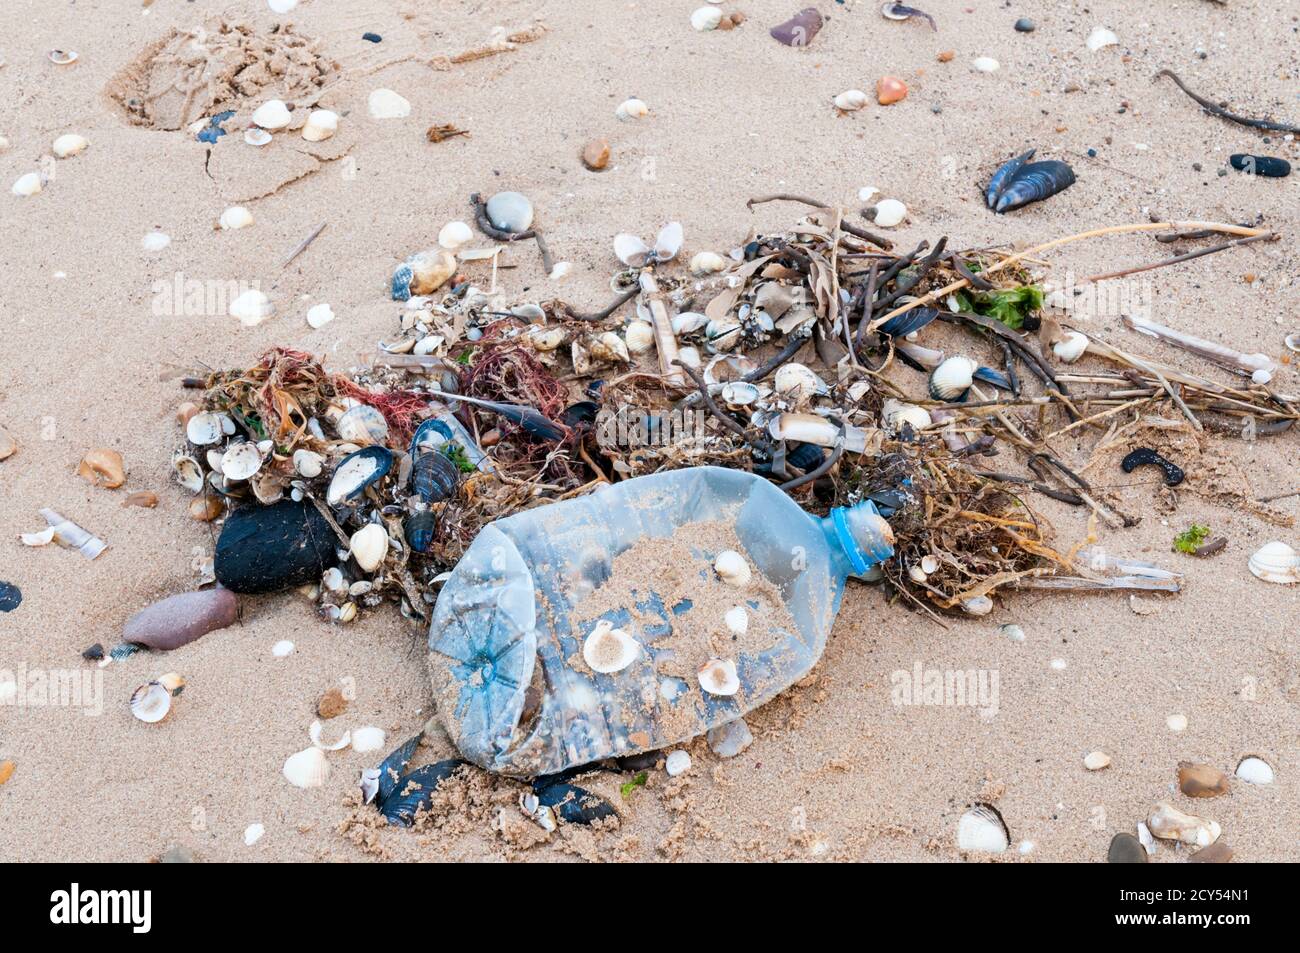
502,637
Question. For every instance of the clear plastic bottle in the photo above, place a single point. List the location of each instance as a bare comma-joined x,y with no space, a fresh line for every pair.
503,635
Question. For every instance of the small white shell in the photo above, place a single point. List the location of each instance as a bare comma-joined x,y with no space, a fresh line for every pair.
1276,562
985,64
610,347
386,104
798,383
890,212
188,472
732,568
705,19
640,337
1071,347
718,677
155,241
307,769
369,546
1096,760
677,762
977,605
708,263
28,184
737,619
253,833
321,124
362,425
368,738
1169,823
982,829
738,394
1176,722
272,114
1255,771
607,650
867,193
894,414
631,109
241,461
952,378
688,322
282,649
630,249
319,315
151,702
251,308
1099,38
257,136
455,235
850,100
204,429
235,217
69,144
690,356
318,728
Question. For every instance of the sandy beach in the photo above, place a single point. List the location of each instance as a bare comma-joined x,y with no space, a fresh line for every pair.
838,770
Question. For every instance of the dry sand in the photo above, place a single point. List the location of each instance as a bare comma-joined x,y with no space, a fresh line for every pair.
837,770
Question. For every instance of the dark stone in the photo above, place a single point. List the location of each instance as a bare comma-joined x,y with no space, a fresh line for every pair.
1025,25
1126,849
270,548
1267,166
10,597
372,37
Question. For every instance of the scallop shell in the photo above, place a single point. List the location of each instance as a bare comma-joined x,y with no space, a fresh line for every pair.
1276,562
362,425
739,394
241,461
952,378
982,829
607,650
205,429
321,124
68,145
151,702
851,100
718,677
890,212
307,769
1071,347
272,114
688,322
640,337
235,217
737,620
631,109
732,568
369,546
610,347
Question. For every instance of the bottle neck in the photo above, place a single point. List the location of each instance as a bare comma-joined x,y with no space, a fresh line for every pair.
862,535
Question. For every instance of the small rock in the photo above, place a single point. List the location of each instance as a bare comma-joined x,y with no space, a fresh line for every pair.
1126,849
372,37
6,770
94,653
677,762
595,154
1216,853
1201,780
946,56
181,619
11,597
332,704
1025,25
729,740
270,548
1096,760
1268,166
890,90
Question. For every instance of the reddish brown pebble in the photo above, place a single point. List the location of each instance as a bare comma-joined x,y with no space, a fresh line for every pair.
332,704
205,508
595,154
143,498
1216,853
1201,780
890,90
736,18
946,56
179,620
491,438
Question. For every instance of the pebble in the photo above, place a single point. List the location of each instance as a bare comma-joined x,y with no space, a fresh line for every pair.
181,619
890,90
729,740
595,154
176,854
986,64
946,56
332,704
11,597
510,212
1216,853
677,762
319,315
1267,166
270,548
1012,631
27,184
1025,25
372,37
155,241
1096,760
1201,780
1126,849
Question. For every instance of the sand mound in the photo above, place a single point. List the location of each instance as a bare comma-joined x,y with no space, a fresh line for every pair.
220,66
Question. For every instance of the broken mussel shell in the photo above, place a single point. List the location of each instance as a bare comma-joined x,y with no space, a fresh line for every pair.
270,548
1145,456
572,804
356,472
1020,182
180,619
414,791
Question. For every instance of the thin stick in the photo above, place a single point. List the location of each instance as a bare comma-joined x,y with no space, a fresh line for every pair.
852,229
302,245
1188,256
1222,113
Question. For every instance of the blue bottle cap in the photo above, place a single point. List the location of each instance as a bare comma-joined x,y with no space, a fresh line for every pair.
863,534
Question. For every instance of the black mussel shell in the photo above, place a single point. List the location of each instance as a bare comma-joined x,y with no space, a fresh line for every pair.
357,471
415,790
1145,456
575,805
1002,178
385,777
269,548
1035,182
434,476
583,412
805,456
904,324
639,762
421,529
